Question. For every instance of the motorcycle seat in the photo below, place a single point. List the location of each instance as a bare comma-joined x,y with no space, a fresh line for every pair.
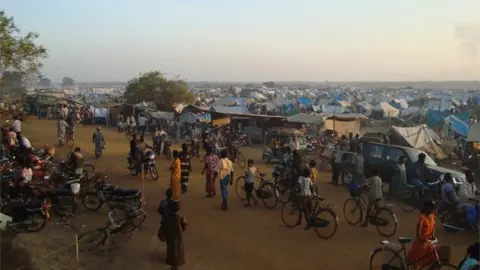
59,191
121,192
404,240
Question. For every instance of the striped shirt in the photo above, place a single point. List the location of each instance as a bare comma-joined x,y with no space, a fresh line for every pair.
375,184
185,166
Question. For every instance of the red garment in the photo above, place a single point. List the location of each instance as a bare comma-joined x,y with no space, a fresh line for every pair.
422,252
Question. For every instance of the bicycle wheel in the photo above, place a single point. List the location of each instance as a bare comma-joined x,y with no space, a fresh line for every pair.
352,211
325,218
92,239
268,194
241,160
384,219
240,188
407,201
387,259
290,214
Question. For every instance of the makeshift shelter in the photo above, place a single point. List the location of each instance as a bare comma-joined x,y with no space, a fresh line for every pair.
456,124
386,110
343,124
420,137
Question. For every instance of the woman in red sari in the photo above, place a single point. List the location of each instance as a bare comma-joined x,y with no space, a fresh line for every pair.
211,161
421,254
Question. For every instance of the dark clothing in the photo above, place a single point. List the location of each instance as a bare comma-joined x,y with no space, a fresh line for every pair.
335,173
174,225
133,147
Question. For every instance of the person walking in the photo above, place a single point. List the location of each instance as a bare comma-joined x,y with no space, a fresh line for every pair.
99,142
358,170
225,173
211,163
186,167
175,175
174,226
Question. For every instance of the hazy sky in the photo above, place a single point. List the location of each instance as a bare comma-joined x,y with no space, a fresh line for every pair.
283,40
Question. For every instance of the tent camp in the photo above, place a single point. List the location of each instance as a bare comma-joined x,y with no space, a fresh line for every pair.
387,110
420,137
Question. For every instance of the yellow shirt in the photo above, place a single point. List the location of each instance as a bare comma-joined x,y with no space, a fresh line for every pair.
314,174
225,167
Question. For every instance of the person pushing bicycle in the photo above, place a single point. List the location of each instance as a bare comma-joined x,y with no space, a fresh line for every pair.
375,195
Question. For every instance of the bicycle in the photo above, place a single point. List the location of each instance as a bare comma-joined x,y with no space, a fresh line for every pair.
410,197
398,259
266,190
318,217
112,235
357,205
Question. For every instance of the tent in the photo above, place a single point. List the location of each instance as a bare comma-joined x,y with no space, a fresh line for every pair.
456,124
387,110
305,101
420,137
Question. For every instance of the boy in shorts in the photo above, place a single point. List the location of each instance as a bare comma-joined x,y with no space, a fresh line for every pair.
249,182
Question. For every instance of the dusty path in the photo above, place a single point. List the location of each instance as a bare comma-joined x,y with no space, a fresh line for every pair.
238,239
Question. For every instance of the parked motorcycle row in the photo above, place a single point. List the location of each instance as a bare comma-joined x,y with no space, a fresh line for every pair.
55,192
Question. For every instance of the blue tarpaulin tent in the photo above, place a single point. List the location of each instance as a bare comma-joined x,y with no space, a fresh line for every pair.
457,125
434,118
305,101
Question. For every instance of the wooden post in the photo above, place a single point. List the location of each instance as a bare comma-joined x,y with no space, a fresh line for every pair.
77,253
143,185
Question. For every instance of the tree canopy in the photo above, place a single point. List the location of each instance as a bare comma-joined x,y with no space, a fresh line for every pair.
45,82
18,53
154,86
13,81
67,81
269,84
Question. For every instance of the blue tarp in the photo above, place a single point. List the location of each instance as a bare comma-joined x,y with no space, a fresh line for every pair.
339,98
464,116
305,101
434,118
457,125
477,99
396,105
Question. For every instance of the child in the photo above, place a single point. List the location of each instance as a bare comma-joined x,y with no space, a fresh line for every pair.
305,186
249,182
374,195
313,170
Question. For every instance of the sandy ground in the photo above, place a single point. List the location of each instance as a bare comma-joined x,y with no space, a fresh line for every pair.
242,238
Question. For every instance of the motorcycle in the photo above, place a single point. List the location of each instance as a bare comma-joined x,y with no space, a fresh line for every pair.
453,221
148,164
241,139
271,157
167,147
29,215
105,193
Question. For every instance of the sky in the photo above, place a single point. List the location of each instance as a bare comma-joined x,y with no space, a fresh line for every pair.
262,40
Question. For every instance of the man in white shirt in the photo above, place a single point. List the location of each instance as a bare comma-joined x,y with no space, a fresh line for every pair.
142,123
305,186
16,125
225,173
294,143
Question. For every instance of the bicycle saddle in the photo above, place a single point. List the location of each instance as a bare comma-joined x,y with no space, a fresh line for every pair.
404,240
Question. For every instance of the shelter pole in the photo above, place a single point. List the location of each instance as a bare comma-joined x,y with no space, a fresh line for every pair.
77,253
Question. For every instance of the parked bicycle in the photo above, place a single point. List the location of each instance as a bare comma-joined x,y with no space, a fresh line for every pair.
412,197
321,217
398,255
355,210
266,191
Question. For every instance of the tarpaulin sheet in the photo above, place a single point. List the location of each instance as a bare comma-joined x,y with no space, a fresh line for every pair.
305,101
457,125
434,118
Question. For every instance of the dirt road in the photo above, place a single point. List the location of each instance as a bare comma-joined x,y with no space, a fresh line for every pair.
242,238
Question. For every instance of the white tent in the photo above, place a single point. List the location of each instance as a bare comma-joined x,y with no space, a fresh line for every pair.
421,137
387,109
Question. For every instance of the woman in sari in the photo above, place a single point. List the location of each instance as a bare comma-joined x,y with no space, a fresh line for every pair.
173,226
211,161
99,142
421,254
176,174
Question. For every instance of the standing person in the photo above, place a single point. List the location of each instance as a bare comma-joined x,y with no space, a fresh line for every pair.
399,179
336,162
174,225
17,124
305,187
351,142
76,161
71,125
142,124
120,120
225,173
176,173
421,249
358,171
249,182
135,153
61,131
211,163
99,142
186,167
297,165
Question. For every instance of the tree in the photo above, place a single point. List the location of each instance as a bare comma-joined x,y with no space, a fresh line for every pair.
269,84
18,53
45,82
67,81
154,86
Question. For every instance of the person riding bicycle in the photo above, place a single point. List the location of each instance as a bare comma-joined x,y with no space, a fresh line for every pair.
375,195
249,182
421,253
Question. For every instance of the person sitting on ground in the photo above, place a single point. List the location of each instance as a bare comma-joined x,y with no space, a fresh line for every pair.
375,195
249,182
76,161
